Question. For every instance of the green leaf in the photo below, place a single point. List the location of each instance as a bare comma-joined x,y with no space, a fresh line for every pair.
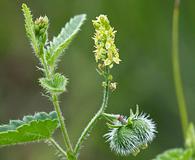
57,84
30,129
61,42
190,136
29,26
175,154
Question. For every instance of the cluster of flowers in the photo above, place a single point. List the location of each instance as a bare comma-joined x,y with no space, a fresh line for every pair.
106,53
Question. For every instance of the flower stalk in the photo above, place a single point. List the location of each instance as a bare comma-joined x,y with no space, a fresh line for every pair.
176,69
106,55
94,119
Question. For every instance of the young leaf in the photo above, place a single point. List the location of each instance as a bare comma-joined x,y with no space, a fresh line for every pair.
57,84
29,26
190,136
31,129
61,42
175,154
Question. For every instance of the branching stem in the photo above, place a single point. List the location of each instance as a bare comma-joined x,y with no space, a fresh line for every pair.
176,69
59,113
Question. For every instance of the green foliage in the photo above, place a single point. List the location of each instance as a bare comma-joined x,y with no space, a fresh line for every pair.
37,33
126,135
61,42
175,154
29,26
48,54
129,135
31,129
55,85
181,154
190,137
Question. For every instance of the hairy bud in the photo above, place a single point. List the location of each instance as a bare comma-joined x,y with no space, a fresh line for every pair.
40,28
129,135
41,25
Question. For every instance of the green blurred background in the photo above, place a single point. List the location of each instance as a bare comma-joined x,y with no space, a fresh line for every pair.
144,75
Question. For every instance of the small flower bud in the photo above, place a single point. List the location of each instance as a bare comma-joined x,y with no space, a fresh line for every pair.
41,25
110,77
104,84
113,86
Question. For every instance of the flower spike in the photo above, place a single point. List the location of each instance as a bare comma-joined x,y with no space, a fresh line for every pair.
106,52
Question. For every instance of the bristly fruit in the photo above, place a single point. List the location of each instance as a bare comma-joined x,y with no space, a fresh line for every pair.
129,135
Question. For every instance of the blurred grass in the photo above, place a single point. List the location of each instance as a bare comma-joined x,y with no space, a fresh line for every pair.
144,76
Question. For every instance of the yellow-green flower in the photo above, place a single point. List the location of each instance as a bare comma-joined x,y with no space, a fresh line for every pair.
105,51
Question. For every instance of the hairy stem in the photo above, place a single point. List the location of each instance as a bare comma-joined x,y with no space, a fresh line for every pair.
57,146
43,61
176,69
94,119
59,113
62,123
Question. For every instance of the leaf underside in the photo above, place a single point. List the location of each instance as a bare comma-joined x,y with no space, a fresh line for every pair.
175,154
35,128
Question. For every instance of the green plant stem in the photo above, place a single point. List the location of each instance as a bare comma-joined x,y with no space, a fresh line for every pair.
176,69
57,146
110,117
59,113
62,123
94,119
43,61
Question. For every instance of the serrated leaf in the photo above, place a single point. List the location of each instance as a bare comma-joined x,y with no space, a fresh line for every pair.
30,129
61,42
175,154
56,85
29,26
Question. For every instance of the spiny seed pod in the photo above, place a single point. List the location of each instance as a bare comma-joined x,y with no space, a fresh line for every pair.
129,135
